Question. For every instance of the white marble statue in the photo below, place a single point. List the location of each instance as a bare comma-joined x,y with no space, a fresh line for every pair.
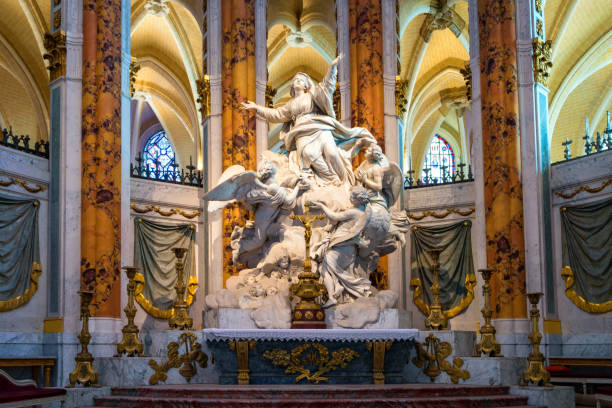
315,140
359,226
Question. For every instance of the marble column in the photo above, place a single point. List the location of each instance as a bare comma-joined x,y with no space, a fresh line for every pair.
214,145
261,71
65,189
101,156
238,124
344,67
535,155
501,144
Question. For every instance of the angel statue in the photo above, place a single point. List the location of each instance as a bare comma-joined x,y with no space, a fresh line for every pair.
260,193
382,179
343,271
317,143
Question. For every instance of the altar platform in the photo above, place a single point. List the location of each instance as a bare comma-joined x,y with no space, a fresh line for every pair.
332,356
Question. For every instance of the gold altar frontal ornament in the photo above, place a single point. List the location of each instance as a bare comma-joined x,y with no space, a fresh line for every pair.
84,373
307,313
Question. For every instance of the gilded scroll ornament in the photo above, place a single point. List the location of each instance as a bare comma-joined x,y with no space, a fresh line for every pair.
568,276
310,354
55,45
417,287
6,305
148,208
432,357
542,60
23,183
440,215
192,287
586,188
193,354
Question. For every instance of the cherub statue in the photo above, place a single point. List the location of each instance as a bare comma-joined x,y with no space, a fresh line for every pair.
382,179
342,271
317,143
261,193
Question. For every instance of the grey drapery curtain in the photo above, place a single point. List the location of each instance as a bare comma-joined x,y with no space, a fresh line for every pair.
18,244
586,240
153,243
455,260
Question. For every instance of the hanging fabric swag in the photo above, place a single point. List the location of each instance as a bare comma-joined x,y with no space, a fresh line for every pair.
456,274
153,255
586,239
19,253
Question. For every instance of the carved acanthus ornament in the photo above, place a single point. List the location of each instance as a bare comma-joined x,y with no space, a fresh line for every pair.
441,16
157,8
542,60
467,77
270,94
55,44
401,87
203,86
134,68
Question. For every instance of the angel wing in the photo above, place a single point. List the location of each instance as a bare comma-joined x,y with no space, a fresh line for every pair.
392,183
229,186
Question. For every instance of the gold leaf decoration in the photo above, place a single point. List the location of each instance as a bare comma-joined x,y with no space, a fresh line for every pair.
586,188
441,215
166,213
568,276
35,272
432,357
192,287
193,354
23,183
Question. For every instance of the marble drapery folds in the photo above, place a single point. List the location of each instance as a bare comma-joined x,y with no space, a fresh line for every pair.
501,157
367,92
238,124
101,155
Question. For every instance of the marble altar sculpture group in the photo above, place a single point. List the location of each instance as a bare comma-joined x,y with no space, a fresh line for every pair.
359,225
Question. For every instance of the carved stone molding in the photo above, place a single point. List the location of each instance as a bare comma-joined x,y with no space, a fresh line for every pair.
55,44
401,87
440,17
157,8
542,60
203,86
134,68
467,77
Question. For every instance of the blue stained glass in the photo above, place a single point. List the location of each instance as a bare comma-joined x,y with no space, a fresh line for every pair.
440,154
160,157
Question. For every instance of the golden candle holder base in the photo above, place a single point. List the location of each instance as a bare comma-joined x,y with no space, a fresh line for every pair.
436,319
536,371
130,343
180,318
308,314
84,373
488,344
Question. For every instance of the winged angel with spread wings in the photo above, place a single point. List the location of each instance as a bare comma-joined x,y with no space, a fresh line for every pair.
261,193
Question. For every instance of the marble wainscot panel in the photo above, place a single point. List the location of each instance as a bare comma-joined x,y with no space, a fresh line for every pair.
483,371
514,345
16,344
557,396
587,345
357,370
230,318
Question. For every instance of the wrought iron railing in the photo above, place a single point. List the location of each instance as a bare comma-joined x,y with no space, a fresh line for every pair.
448,177
601,143
22,143
187,176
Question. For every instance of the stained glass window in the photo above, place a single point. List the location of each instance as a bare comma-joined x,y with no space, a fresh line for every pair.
440,154
160,157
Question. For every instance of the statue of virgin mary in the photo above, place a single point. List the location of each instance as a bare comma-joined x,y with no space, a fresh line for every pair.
317,143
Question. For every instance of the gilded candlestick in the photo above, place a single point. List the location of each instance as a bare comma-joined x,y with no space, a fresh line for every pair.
130,344
84,373
536,371
180,318
436,319
488,344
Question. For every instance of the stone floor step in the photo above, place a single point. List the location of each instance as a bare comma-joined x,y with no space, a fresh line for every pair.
436,402
308,391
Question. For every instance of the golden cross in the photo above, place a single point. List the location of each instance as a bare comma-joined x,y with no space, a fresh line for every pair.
307,220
